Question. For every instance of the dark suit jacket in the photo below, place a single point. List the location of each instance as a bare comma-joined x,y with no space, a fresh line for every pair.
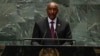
42,30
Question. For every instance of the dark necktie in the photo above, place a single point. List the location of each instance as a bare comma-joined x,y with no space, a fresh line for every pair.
52,29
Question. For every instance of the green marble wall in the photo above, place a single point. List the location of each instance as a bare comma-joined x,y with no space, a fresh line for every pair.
17,19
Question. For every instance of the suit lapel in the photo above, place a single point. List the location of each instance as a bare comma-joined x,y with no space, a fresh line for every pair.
47,28
47,24
58,25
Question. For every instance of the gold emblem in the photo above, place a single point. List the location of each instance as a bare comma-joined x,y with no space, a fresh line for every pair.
49,52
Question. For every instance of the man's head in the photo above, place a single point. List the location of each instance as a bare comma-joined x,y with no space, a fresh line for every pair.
52,10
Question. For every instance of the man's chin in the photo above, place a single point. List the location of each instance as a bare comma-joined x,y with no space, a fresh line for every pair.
52,18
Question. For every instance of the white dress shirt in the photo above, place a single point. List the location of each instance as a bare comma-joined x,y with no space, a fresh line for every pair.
54,24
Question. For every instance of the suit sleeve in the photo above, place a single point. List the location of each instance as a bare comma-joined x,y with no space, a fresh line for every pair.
36,33
68,34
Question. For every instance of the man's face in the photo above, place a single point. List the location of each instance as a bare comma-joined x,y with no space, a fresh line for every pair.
52,10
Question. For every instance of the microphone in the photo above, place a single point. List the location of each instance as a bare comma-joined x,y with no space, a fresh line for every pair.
57,36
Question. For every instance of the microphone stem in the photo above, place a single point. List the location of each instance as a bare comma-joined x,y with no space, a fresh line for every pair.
57,36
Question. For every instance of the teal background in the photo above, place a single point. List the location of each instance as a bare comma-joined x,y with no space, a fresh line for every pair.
17,19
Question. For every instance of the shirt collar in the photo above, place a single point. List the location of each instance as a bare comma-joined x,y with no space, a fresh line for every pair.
49,20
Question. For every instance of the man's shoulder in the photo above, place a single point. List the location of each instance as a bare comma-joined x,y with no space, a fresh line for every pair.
63,21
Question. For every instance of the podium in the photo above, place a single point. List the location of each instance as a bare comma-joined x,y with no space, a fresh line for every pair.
47,50
35,50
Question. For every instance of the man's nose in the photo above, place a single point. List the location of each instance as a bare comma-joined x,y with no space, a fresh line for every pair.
52,11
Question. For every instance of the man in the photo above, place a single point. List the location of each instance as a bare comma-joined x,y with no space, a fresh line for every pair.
51,27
